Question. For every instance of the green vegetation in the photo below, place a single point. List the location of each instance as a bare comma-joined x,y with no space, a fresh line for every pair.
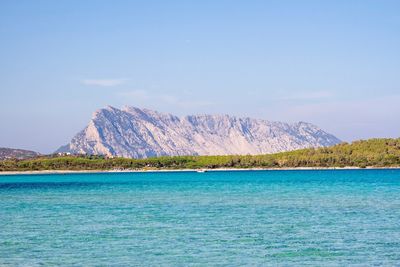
369,153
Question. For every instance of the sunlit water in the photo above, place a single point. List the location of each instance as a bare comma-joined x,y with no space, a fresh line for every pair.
257,218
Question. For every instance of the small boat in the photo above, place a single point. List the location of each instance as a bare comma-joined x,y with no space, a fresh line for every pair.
202,170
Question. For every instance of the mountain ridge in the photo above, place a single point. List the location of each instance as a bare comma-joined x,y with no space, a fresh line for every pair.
14,153
140,133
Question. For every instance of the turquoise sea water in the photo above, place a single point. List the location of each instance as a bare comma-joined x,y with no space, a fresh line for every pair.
257,218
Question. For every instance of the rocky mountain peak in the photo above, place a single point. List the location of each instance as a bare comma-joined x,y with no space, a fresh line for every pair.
140,133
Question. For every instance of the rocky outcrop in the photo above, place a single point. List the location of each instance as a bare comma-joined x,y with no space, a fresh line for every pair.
140,133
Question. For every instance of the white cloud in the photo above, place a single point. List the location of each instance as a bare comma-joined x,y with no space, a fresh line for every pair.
135,94
367,108
148,97
104,82
316,95
348,119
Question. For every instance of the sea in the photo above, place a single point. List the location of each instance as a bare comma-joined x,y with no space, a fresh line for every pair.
215,218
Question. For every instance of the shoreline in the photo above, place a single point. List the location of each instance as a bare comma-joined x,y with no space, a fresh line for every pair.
187,170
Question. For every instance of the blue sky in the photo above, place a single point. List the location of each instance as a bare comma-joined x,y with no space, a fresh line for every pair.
333,63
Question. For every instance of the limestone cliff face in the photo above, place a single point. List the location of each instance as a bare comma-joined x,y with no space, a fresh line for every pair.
140,133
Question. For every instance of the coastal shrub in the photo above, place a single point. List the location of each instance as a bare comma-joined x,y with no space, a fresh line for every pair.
364,153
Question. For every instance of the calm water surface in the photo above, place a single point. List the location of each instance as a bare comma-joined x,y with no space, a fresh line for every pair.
257,218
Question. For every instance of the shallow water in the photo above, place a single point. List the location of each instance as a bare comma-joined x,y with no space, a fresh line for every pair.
257,218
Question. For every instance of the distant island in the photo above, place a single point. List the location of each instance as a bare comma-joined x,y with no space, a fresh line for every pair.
11,153
359,154
133,132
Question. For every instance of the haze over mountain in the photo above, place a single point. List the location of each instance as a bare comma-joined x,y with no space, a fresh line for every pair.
141,133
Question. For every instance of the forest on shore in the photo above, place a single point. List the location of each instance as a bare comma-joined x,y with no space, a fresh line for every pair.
365,153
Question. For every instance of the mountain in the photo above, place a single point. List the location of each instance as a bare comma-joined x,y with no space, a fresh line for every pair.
12,153
141,133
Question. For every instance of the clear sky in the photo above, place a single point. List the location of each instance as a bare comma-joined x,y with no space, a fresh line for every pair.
332,63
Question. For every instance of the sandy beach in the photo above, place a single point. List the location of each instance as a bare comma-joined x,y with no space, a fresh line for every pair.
185,170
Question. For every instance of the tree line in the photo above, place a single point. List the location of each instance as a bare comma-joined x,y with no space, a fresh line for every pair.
364,153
